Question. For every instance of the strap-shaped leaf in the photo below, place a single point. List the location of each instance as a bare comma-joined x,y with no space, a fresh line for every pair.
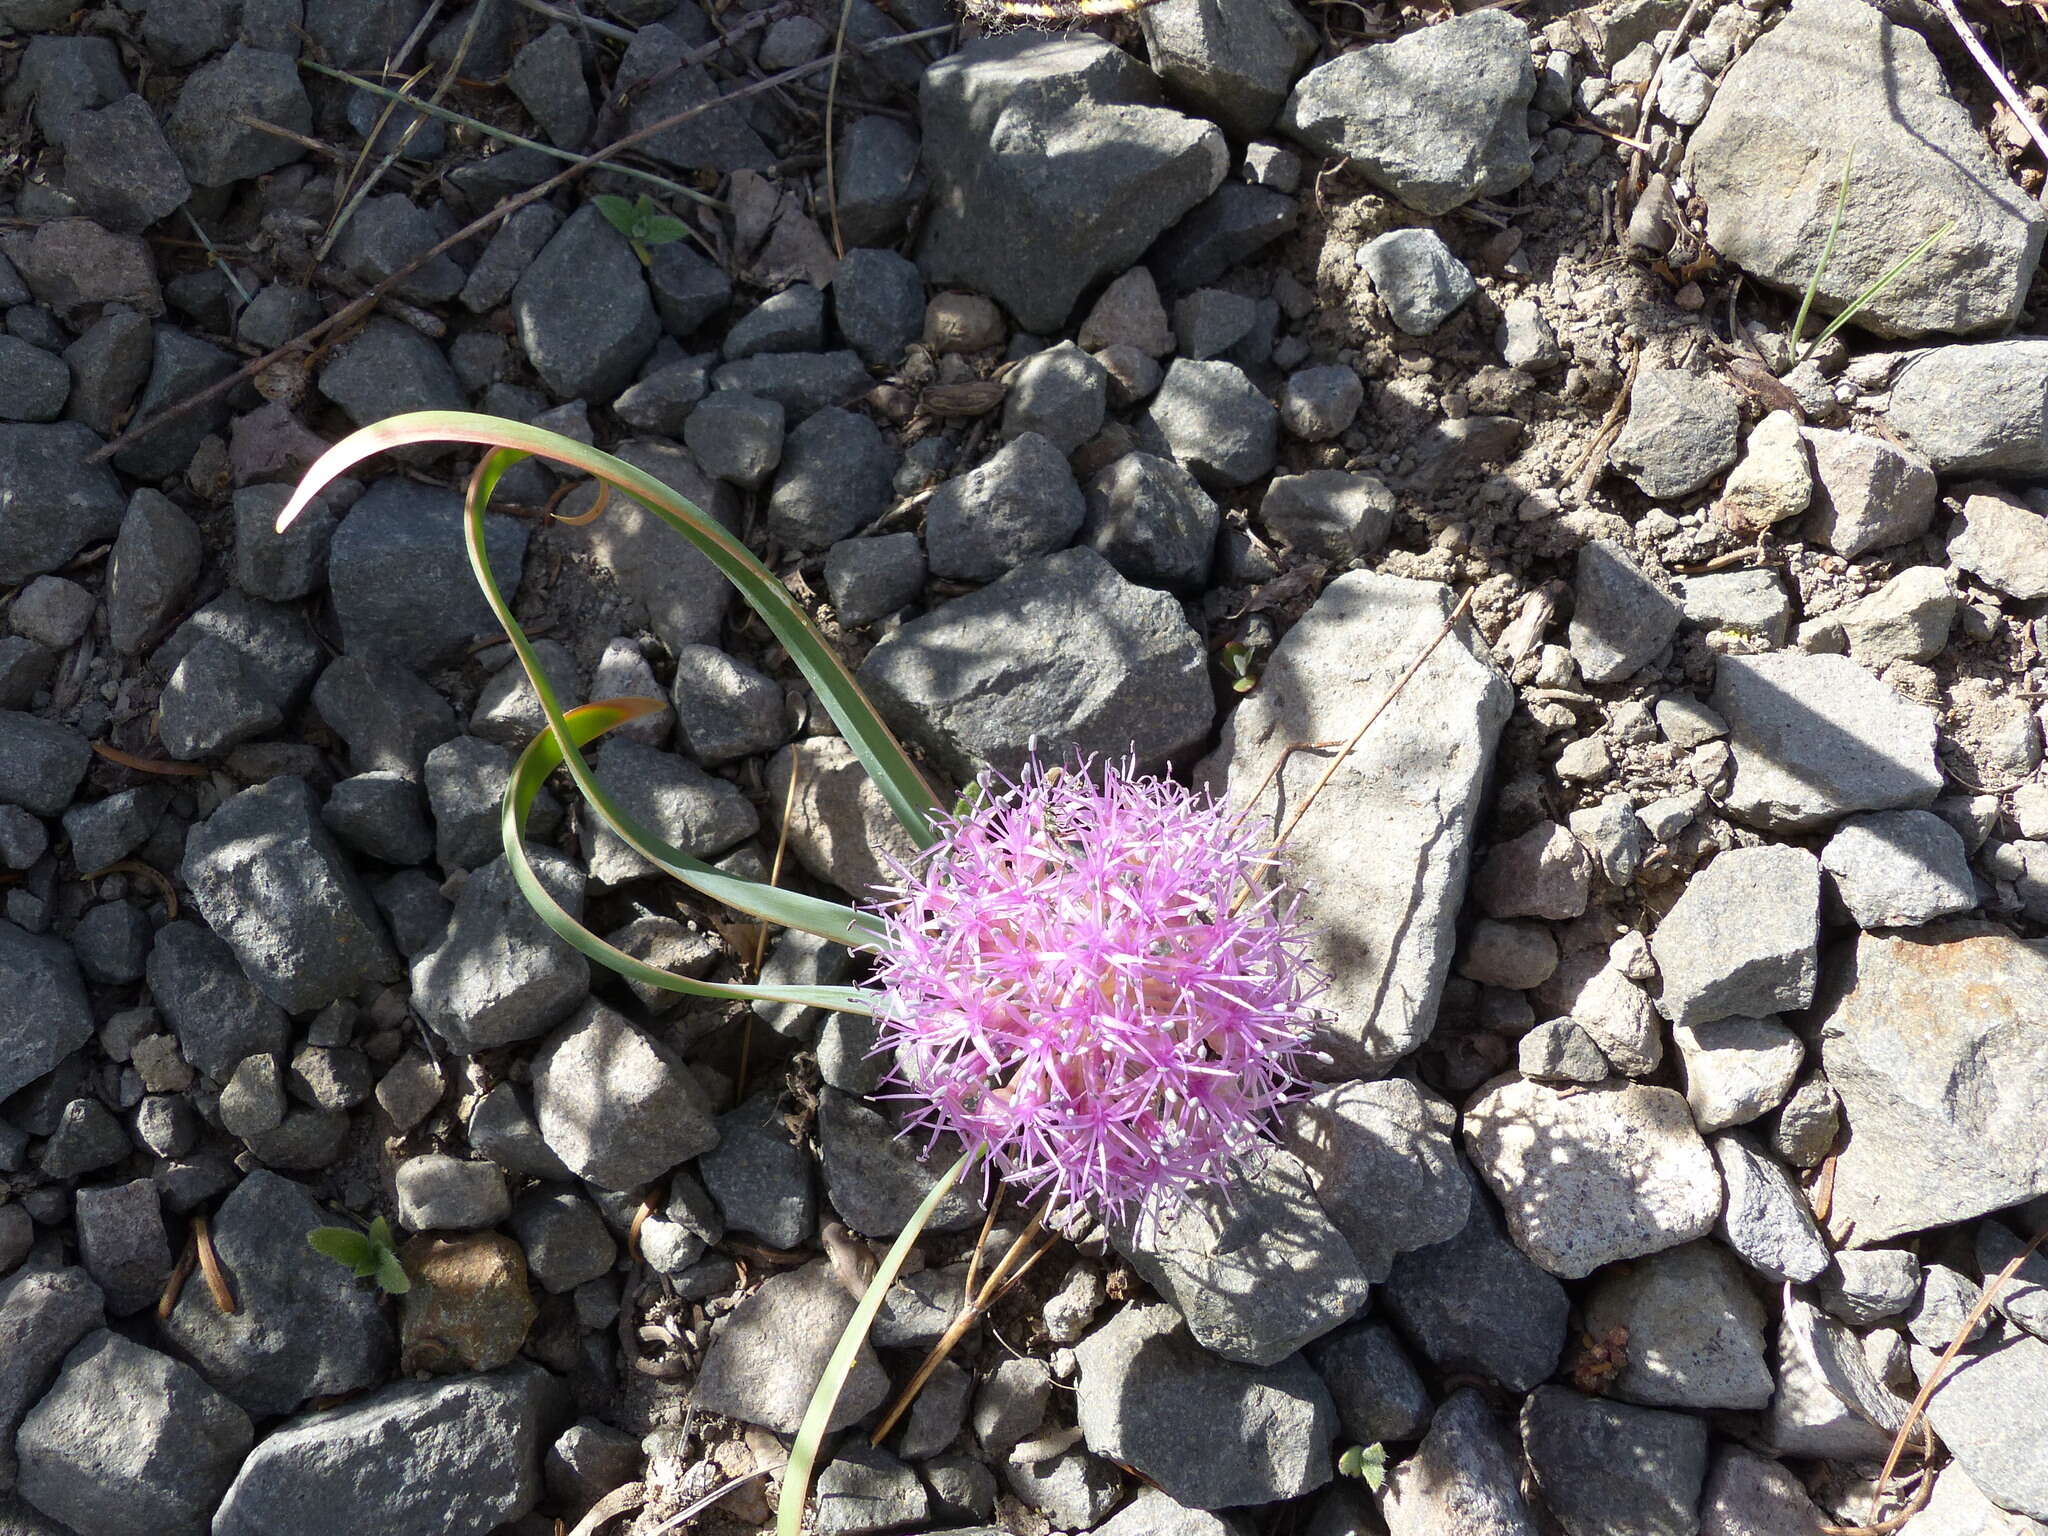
803,1454
540,758
909,798
790,909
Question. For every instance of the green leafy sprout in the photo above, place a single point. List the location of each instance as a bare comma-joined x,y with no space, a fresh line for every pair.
370,1254
1368,1463
642,223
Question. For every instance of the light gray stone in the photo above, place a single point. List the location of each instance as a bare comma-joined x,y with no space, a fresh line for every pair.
1976,407
1736,1068
1767,1220
1838,85
1744,938
1385,849
1681,433
1694,1326
1817,737
1464,1480
1612,1172
1899,869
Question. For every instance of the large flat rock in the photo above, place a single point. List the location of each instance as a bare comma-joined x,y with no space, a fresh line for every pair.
1837,85
1934,1041
1384,851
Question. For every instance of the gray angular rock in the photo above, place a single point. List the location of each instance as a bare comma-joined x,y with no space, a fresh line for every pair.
665,83
205,127
1147,517
453,1457
1744,938
759,1177
1736,1069
1945,1309
1207,1432
155,560
768,1353
269,878
1061,648
390,233
1609,1469
382,815
387,369
564,1238
840,828
53,499
1336,515
1681,433
43,1312
834,479
799,382
441,1193
1384,911
499,974
1561,1051
616,1105
1059,394
1464,1480
1991,1410
1766,1219
34,384
1934,1094
673,798
1612,1172
1899,869
1862,1286
1213,419
1232,64
864,1489
1839,89
725,710
998,115
736,436
2002,543
1621,620
1959,1508
129,1439
1436,118
1694,1326
1751,1495
1019,504
869,579
218,1013
401,538
521,237
303,1327
44,1013
1319,403
1377,1391
1476,1305
1976,407
121,1243
875,1178
1382,1165
877,303
390,720
1254,1266
879,182
547,77
1543,873
583,310
465,780
1417,277
1816,737
1828,1403
1867,493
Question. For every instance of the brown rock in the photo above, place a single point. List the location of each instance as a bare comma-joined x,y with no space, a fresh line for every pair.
469,1306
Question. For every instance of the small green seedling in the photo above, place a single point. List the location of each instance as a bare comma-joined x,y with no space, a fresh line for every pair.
370,1254
1368,1462
641,222
1237,663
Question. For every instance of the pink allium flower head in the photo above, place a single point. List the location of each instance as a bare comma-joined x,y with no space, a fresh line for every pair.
1088,980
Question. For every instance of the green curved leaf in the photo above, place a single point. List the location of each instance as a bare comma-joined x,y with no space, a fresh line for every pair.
540,758
909,798
344,1245
391,1274
803,1454
790,909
